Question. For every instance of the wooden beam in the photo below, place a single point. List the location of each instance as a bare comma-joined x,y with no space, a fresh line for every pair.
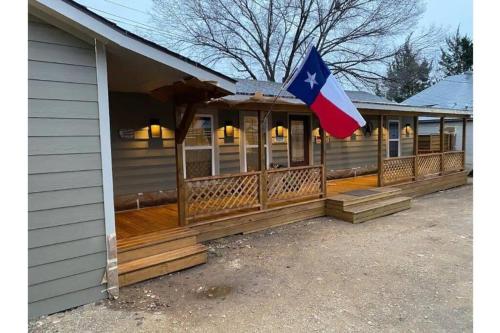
415,135
380,181
464,138
179,166
464,134
441,134
441,142
184,123
415,147
262,160
323,163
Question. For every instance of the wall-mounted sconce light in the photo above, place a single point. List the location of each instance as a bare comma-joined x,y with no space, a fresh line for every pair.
154,129
279,130
407,129
368,128
228,132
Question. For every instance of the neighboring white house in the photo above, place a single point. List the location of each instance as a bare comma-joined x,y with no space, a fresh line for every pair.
452,92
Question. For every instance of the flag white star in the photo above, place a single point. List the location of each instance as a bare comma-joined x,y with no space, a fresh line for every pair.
311,79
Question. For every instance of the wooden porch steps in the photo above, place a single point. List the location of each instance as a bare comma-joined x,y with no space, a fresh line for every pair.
355,209
150,255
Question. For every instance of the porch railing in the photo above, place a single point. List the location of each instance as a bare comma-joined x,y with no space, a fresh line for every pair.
453,161
293,183
407,168
216,195
221,194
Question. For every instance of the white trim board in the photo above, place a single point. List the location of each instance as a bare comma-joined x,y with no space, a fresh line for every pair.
106,34
107,168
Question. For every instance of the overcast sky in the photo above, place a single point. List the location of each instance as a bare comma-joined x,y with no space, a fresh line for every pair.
446,13
133,15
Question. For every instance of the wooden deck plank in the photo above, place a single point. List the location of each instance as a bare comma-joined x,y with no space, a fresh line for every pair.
153,219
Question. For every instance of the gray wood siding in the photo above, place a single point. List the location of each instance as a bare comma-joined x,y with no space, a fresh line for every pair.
66,237
141,165
361,150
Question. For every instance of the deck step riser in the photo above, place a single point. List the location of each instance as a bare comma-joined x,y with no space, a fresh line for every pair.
384,211
341,204
150,272
356,210
152,249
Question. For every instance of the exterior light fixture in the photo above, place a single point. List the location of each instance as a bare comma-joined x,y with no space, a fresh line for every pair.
228,132
154,129
279,130
407,129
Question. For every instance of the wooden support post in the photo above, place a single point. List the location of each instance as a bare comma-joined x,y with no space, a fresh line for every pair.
324,187
262,161
179,165
441,142
415,147
464,139
380,181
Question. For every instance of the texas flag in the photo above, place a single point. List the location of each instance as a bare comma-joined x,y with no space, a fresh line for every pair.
313,83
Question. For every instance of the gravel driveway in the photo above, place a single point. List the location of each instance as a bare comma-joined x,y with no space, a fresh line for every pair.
409,272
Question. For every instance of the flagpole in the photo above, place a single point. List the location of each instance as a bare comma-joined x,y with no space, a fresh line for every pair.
286,81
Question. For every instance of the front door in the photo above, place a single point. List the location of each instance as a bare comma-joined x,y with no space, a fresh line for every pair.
300,133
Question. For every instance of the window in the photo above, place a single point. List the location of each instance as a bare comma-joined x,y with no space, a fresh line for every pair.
394,136
199,148
251,143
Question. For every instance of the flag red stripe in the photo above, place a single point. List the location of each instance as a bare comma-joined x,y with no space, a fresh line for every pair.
336,122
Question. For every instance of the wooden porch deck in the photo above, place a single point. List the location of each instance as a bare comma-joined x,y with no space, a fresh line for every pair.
152,219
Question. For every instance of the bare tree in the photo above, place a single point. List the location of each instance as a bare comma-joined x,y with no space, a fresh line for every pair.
265,39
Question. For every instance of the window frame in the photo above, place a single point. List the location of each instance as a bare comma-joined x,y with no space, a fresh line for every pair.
389,140
212,146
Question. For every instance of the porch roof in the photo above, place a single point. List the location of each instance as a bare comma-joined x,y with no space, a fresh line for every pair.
255,94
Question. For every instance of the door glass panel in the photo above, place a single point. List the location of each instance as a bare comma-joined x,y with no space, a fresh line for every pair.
251,131
297,132
198,163
393,148
252,159
393,130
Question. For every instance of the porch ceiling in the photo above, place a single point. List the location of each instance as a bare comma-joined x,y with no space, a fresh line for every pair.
131,72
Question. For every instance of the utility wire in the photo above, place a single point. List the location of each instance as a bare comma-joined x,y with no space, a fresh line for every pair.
124,6
134,23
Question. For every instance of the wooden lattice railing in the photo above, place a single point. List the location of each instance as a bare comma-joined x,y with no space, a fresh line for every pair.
429,164
294,183
398,169
401,169
221,194
453,161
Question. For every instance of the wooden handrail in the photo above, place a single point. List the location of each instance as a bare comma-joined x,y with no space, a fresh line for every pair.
294,168
240,174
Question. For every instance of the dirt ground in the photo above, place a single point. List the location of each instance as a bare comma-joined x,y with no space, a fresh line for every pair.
409,272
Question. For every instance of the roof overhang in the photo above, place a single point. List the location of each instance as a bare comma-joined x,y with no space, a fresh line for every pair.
89,26
257,102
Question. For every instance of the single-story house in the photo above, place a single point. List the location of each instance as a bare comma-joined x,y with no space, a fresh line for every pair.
453,92
137,155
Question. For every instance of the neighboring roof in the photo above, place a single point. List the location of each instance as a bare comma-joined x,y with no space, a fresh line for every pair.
452,92
271,89
250,92
108,30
